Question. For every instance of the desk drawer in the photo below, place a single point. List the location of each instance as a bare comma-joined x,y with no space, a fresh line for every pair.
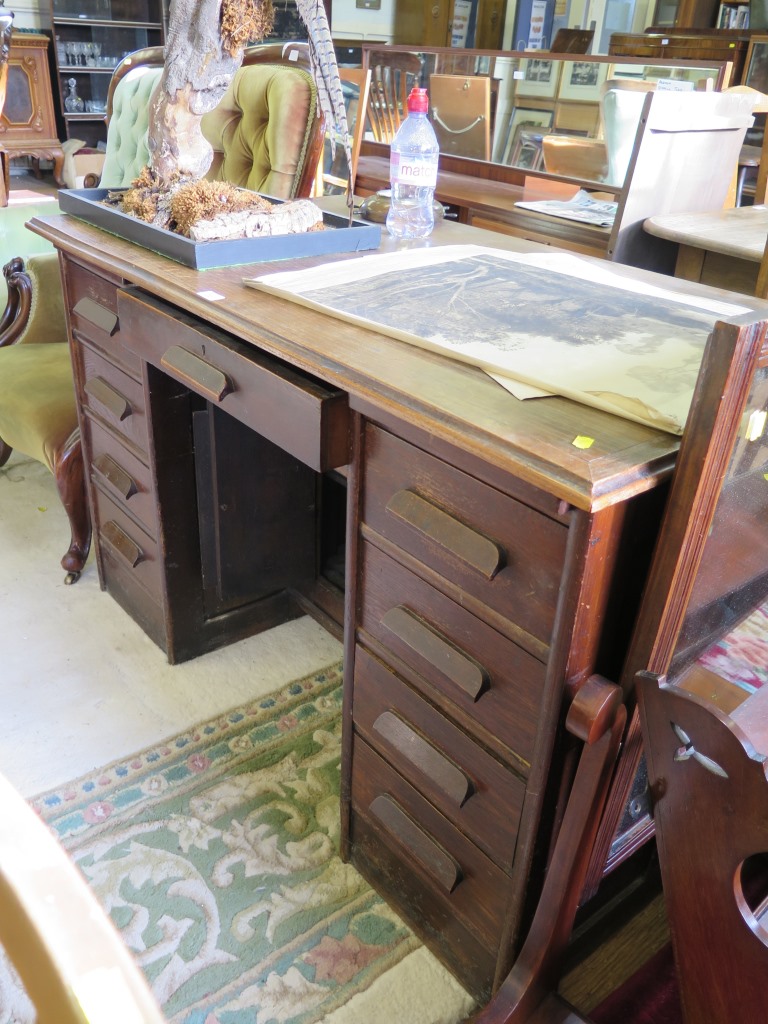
468,786
132,552
113,397
93,305
455,658
297,412
122,476
456,875
502,552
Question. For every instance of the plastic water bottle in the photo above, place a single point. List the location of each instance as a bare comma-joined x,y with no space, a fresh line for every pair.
413,172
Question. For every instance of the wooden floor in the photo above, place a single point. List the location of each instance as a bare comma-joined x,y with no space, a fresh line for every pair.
605,967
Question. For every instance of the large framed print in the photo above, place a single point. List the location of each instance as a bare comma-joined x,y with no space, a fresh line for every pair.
540,78
582,80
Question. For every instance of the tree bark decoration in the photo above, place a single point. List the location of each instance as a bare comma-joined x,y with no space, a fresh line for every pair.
204,49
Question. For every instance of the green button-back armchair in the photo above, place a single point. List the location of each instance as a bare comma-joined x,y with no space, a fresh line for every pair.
266,134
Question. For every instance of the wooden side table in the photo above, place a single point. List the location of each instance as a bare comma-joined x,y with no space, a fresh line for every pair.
28,122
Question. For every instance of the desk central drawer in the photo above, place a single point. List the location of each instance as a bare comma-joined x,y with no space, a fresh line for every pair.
297,412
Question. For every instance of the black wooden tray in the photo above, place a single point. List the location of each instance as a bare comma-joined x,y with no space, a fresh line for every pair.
86,204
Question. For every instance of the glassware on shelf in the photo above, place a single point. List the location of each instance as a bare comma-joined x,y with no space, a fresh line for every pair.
73,104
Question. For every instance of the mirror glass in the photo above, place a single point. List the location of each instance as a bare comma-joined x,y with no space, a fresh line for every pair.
536,112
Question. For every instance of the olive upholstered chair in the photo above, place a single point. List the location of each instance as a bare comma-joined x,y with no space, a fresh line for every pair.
267,136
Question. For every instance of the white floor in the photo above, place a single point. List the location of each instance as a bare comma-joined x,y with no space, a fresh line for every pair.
80,684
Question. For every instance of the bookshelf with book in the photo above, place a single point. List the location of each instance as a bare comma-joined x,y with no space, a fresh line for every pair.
732,15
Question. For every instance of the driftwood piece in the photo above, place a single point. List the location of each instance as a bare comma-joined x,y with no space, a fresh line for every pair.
200,60
282,219
204,49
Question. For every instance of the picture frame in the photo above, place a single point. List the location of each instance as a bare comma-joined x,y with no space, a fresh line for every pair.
756,64
582,80
540,77
531,119
527,148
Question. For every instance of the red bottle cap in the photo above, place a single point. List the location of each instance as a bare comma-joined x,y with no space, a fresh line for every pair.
418,101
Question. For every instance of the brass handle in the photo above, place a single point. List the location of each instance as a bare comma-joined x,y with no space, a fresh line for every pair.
121,543
423,848
480,553
115,403
439,652
97,315
120,481
419,752
196,373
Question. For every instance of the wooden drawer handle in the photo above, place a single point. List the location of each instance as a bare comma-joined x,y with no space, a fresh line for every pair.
99,316
480,553
439,652
115,403
198,375
120,481
121,543
419,752
423,848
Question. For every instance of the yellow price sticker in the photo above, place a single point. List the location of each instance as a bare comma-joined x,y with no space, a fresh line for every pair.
582,441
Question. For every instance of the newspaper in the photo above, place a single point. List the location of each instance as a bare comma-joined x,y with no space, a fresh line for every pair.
581,207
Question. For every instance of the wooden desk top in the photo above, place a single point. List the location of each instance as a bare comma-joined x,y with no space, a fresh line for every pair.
456,403
739,232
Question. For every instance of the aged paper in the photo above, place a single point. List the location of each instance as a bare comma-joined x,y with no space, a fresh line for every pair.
555,322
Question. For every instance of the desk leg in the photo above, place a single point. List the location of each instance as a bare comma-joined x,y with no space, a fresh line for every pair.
690,262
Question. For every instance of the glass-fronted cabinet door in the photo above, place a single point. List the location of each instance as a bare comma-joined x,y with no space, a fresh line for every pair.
91,37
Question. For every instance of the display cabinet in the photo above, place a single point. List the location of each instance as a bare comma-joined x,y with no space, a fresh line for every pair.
28,121
91,37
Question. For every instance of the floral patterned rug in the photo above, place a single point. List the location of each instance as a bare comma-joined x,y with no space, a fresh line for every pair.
216,855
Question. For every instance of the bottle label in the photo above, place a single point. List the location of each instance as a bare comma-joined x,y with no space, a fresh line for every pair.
405,169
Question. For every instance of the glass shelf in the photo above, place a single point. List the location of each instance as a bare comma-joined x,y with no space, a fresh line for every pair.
91,38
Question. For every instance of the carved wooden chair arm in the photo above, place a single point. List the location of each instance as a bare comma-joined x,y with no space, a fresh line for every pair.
34,310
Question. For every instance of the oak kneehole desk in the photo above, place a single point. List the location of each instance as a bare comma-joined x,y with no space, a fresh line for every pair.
233,443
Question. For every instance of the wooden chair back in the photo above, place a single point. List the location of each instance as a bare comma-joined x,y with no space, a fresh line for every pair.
393,75
707,772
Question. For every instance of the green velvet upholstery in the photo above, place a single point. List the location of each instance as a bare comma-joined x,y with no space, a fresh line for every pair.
37,408
37,394
38,413
260,131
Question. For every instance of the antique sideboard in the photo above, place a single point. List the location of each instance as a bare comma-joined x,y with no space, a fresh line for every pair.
237,443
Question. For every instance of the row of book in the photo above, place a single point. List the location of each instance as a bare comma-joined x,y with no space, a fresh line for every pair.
733,16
